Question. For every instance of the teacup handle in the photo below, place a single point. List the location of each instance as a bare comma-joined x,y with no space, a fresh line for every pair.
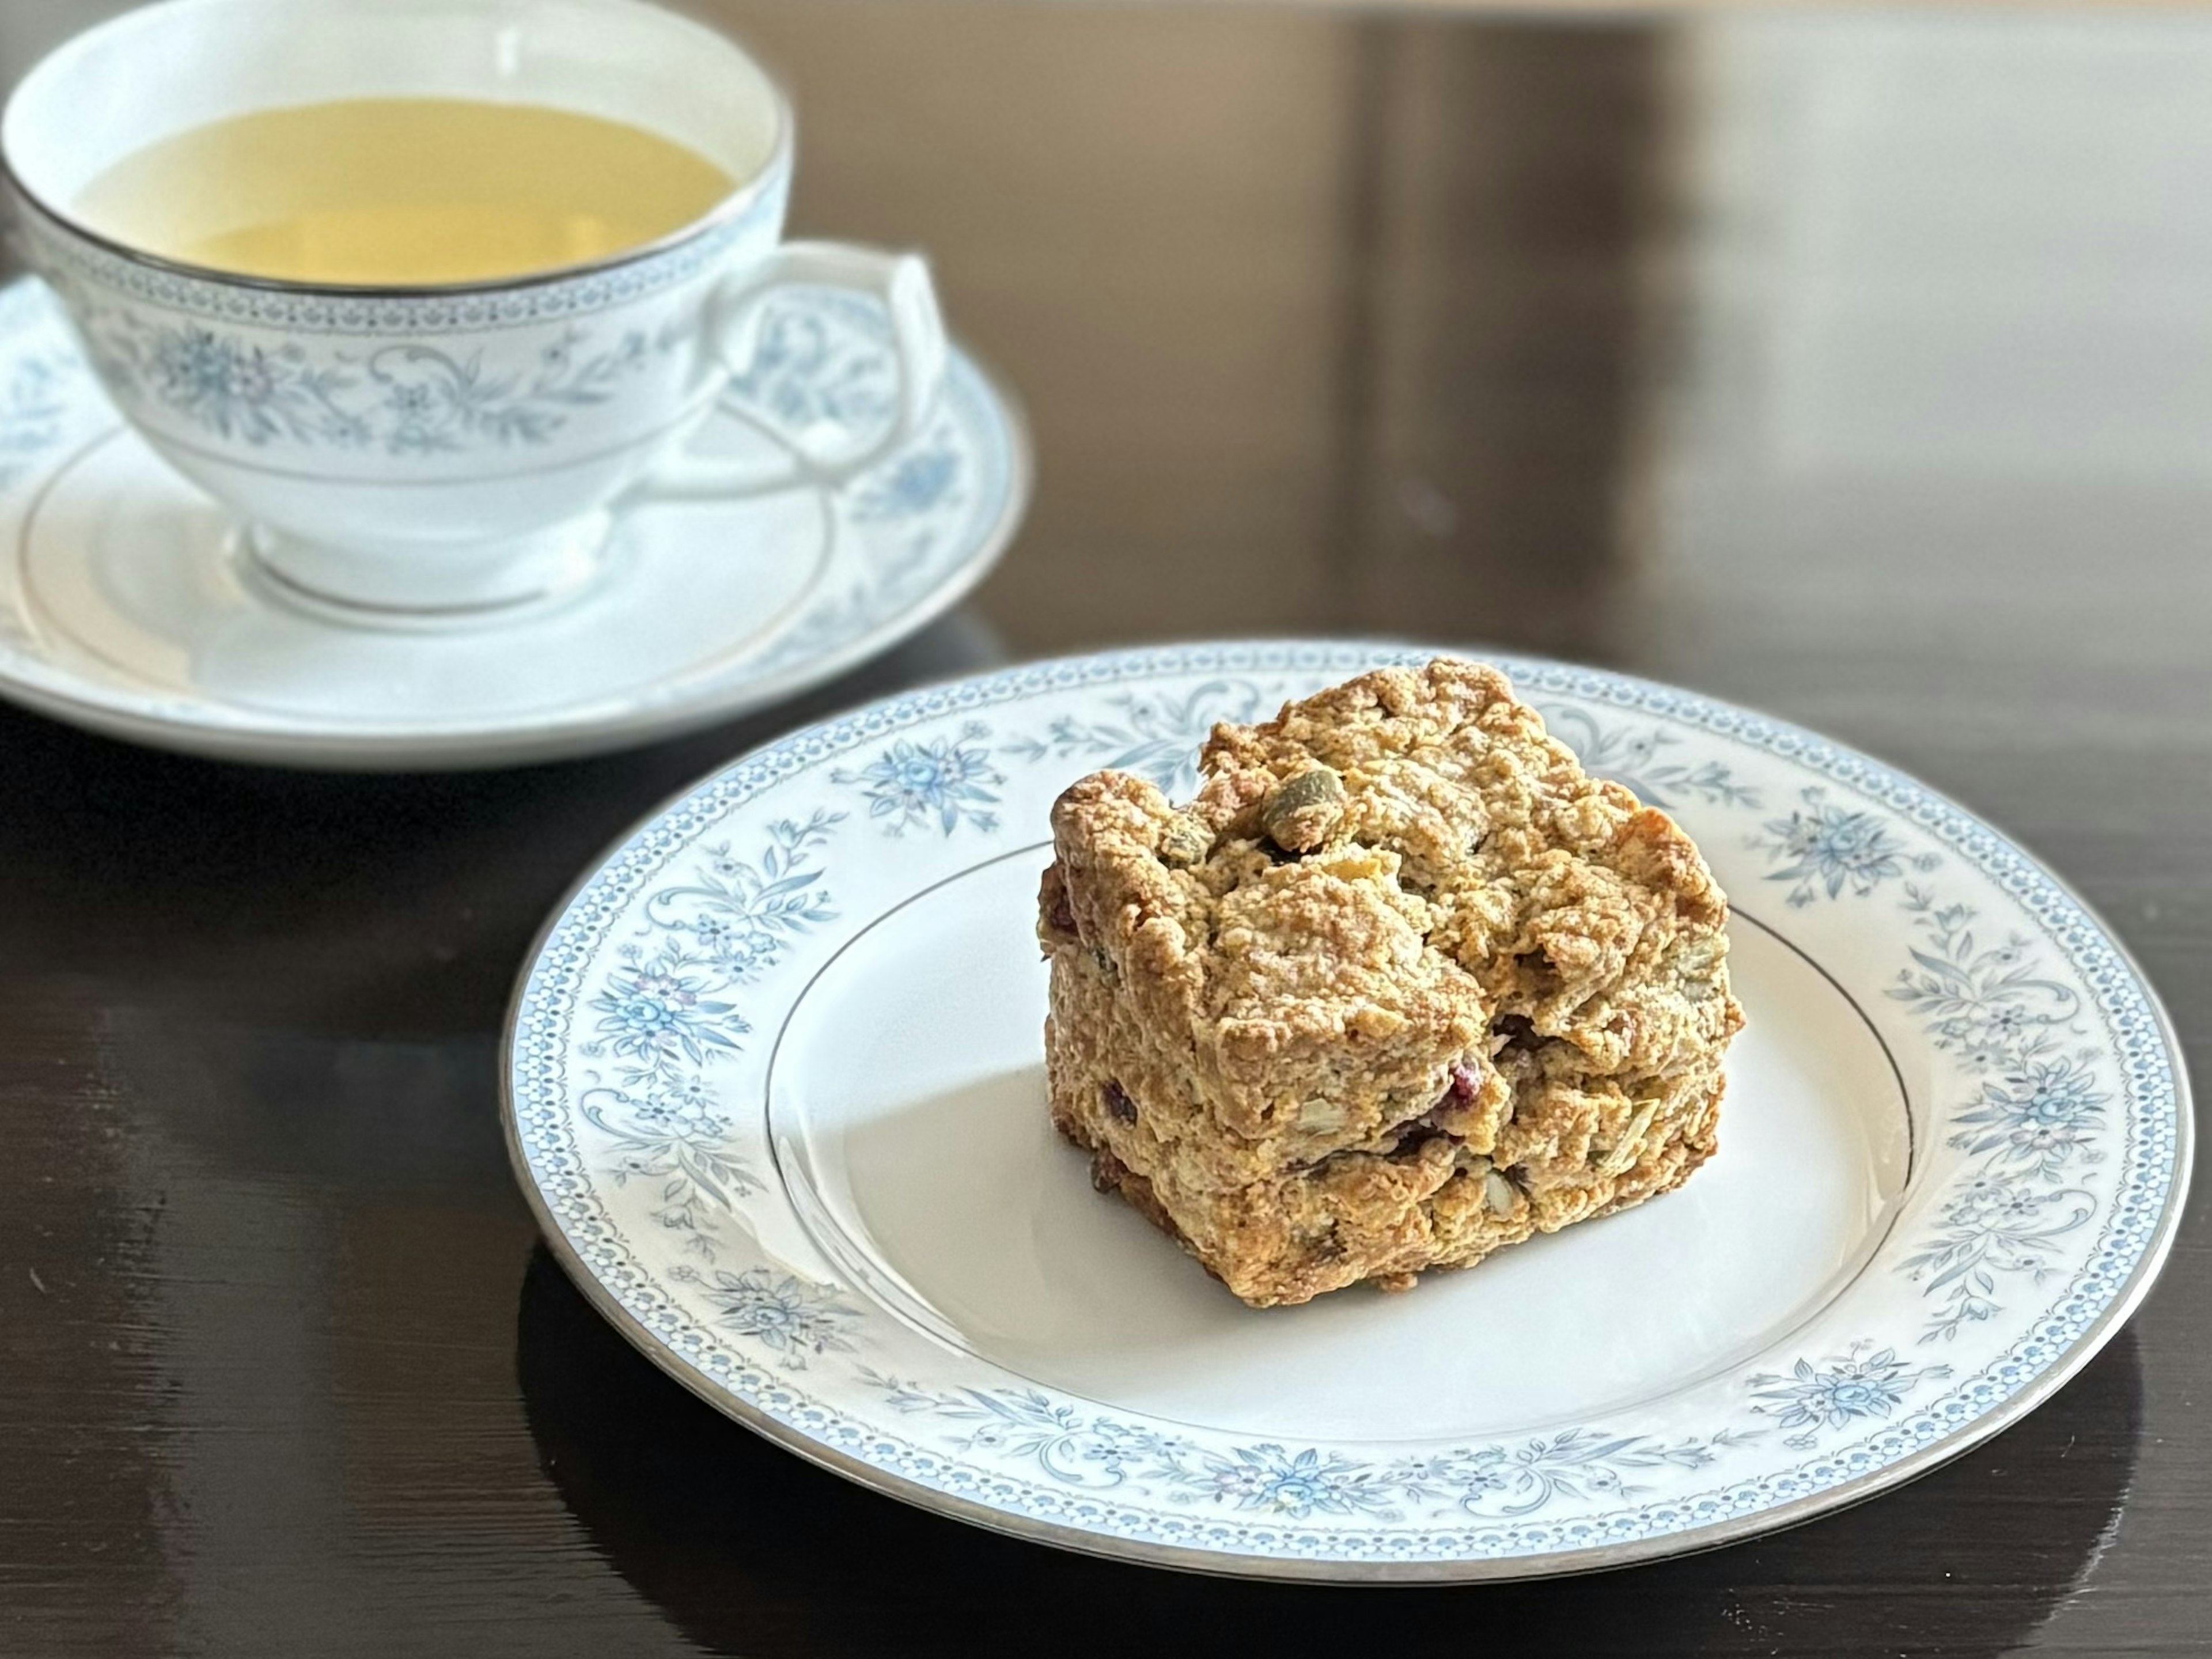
826,452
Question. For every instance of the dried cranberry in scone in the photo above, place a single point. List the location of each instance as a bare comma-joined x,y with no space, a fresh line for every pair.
1402,985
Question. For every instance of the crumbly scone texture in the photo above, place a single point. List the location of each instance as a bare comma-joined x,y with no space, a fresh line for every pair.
1403,984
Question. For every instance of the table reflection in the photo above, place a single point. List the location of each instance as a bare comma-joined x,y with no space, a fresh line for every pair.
748,1549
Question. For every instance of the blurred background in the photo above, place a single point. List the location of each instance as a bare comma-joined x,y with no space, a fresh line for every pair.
1617,335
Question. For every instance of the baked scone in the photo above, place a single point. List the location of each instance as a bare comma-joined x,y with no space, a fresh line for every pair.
1403,984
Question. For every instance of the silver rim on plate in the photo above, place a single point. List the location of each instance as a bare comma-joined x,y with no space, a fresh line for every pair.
2134,1235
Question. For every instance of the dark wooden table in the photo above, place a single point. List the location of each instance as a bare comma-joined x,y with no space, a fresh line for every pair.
1859,369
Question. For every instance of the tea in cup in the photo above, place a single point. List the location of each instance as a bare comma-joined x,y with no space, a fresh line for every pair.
424,289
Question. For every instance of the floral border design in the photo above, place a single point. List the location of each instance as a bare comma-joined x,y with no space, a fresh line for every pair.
1094,1451
1640,757
1862,1383
1155,734
837,364
910,536
790,1316
403,400
2017,1034
942,785
33,403
2029,1125
1825,850
38,390
1816,1399
664,1021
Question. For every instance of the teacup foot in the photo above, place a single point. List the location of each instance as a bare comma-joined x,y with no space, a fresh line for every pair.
458,588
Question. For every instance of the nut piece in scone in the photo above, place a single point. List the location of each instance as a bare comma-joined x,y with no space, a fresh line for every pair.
1401,985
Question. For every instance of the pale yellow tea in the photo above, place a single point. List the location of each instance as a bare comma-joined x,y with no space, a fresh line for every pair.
401,191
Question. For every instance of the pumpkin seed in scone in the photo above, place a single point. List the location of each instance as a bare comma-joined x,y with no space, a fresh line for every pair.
1402,986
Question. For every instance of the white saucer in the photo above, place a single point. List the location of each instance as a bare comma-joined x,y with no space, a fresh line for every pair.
127,604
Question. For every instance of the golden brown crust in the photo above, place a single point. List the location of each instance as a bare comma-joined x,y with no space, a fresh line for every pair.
1462,993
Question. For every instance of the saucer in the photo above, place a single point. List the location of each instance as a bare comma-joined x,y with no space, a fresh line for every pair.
132,605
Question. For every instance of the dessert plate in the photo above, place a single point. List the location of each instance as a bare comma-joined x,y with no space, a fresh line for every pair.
127,605
775,1090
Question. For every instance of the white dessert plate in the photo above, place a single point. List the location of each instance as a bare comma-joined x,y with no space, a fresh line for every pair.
775,1089
126,605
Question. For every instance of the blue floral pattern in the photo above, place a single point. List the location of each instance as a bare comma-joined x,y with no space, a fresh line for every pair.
674,1139
43,385
664,1020
654,1015
791,1318
409,399
910,486
738,914
2040,1121
2066,1112
826,364
1866,1383
2032,1123
829,360
1572,1463
1067,1445
33,405
1826,850
906,537
906,516
1643,759
1155,735
939,785
1292,1485
1991,1226
1096,1450
2036,1114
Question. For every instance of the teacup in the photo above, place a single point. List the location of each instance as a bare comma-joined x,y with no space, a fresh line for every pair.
439,451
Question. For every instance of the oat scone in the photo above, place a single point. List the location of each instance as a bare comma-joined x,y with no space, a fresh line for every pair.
1403,984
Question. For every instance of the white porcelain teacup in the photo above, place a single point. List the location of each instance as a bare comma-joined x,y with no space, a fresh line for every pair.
445,450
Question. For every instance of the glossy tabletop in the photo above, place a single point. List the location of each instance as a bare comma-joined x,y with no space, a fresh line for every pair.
1855,367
